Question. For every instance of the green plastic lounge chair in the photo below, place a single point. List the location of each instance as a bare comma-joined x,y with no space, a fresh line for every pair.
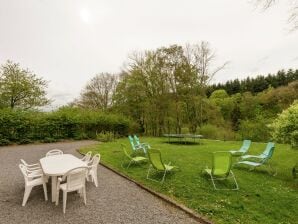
146,146
263,155
264,159
243,150
221,169
132,159
157,164
134,146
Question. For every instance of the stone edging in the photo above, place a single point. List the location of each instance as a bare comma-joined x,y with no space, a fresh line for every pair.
163,197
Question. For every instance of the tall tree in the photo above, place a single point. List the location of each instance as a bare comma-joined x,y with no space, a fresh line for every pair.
21,88
293,17
99,91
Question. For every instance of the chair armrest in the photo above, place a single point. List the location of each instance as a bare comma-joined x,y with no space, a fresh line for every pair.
35,175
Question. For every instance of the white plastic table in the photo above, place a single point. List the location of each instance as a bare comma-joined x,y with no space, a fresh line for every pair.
58,165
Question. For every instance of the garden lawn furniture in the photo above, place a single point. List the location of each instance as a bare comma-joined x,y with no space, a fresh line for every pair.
54,152
75,181
221,169
32,179
157,164
132,159
134,146
58,165
137,141
263,155
264,160
243,150
87,157
92,169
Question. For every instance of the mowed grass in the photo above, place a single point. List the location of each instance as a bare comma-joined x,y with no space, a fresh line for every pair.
262,198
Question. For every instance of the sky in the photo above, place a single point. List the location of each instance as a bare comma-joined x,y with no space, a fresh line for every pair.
67,42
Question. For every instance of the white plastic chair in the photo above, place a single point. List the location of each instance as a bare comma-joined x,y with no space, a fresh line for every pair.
31,167
32,179
75,181
87,157
93,164
54,152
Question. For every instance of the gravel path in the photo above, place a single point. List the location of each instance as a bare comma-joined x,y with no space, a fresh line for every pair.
116,200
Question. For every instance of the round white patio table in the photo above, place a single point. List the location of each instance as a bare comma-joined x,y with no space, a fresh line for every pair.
58,165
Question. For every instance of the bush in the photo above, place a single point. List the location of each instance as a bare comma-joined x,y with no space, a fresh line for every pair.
105,137
257,129
66,123
4,142
213,132
285,126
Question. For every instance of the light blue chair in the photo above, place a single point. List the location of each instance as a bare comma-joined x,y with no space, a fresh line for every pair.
243,150
260,160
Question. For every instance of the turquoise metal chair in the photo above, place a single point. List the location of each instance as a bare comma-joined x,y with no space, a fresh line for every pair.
243,150
262,159
134,146
263,155
146,146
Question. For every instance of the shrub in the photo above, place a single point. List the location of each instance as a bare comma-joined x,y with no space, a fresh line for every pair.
105,136
285,126
213,132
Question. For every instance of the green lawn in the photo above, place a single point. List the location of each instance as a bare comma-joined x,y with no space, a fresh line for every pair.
262,198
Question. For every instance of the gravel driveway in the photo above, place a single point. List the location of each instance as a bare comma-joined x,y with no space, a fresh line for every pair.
116,200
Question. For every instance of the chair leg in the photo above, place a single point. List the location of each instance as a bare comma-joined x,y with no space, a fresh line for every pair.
148,172
64,200
26,195
45,191
95,178
164,175
84,194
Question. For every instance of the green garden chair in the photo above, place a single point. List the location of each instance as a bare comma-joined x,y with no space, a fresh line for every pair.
263,159
221,169
134,146
263,155
146,146
132,159
157,164
243,150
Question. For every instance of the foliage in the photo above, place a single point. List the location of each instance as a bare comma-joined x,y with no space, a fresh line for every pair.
105,136
164,89
286,125
98,93
66,123
261,198
256,85
20,88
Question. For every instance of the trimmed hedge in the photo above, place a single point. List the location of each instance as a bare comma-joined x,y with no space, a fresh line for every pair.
18,126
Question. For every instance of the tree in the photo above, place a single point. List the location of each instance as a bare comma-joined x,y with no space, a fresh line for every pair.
293,17
99,91
285,127
21,88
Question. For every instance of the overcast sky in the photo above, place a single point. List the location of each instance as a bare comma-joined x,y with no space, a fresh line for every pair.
69,41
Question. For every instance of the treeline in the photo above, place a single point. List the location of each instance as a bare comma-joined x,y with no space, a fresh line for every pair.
26,126
256,85
167,90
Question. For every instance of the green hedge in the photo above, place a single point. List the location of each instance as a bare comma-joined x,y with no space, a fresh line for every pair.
17,126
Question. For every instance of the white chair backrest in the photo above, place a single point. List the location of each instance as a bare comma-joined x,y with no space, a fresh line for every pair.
87,157
54,152
95,160
23,169
75,178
